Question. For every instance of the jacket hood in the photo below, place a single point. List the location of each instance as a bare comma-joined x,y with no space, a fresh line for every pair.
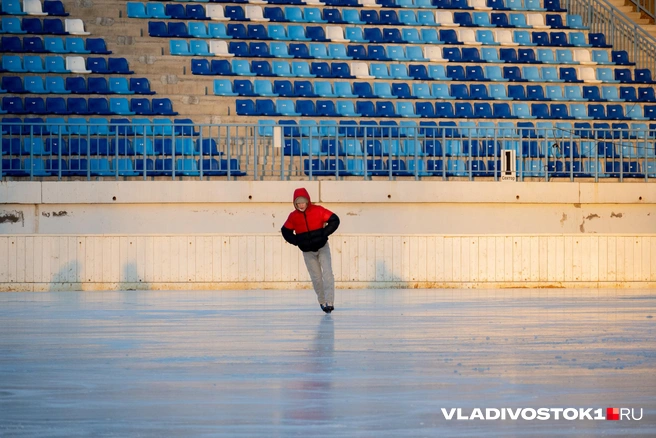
301,193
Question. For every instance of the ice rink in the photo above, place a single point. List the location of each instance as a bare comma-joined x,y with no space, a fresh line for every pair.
270,363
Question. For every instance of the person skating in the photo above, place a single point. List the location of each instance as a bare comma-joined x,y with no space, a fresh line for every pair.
308,227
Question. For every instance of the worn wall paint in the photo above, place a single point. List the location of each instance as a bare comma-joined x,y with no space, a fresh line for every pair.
376,218
378,207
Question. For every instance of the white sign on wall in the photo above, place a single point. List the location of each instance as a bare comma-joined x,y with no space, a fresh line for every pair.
508,165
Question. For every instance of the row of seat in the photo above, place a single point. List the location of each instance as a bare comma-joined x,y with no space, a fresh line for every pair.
292,14
330,167
430,72
139,126
461,129
298,33
120,167
103,146
403,90
440,109
64,65
476,168
98,126
54,44
76,84
38,167
343,147
49,26
457,147
33,7
337,51
295,13
519,5
82,106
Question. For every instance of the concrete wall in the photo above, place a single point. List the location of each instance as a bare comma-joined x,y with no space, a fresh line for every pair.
373,207
199,234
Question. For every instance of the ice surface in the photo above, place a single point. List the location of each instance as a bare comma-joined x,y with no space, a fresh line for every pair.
270,363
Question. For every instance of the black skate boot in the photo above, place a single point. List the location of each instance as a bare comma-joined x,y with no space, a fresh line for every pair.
326,308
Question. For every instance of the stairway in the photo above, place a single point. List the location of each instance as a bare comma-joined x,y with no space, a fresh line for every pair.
629,9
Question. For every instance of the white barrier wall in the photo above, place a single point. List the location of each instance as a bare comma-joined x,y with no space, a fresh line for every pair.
199,234
40,262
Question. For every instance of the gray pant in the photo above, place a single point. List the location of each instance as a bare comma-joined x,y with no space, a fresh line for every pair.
320,267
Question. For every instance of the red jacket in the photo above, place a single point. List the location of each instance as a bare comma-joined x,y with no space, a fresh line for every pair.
309,229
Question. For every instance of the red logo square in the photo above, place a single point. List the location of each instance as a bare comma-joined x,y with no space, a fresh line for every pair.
612,414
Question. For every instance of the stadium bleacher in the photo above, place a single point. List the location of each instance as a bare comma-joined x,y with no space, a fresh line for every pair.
417,88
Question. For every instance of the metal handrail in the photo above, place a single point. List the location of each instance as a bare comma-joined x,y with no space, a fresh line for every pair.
620,31
646,6
428,149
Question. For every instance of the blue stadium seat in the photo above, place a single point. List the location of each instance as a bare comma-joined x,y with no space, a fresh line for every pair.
559,111
622,75
97,65
316,33
30,45
577,39
54,8
223,87
98,105
449,36
516,92
77,85
568,74
14,25
365,108
572,93
464,110
177,30
53,26
263,87
202,67
483,110
597,112
299,51
513,74
598,40
98,85
326,108
156,10
523,38
331,15
611,94
426,109
360,89
643,76
317,69
430,36
521,110
498,92
455,72
11,44
382,90
629,94
297,33
619,57
643,95
279,50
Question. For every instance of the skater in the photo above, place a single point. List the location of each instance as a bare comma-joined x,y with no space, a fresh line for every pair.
308,227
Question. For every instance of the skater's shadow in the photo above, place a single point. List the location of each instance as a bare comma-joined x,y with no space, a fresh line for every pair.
323,346
313,392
